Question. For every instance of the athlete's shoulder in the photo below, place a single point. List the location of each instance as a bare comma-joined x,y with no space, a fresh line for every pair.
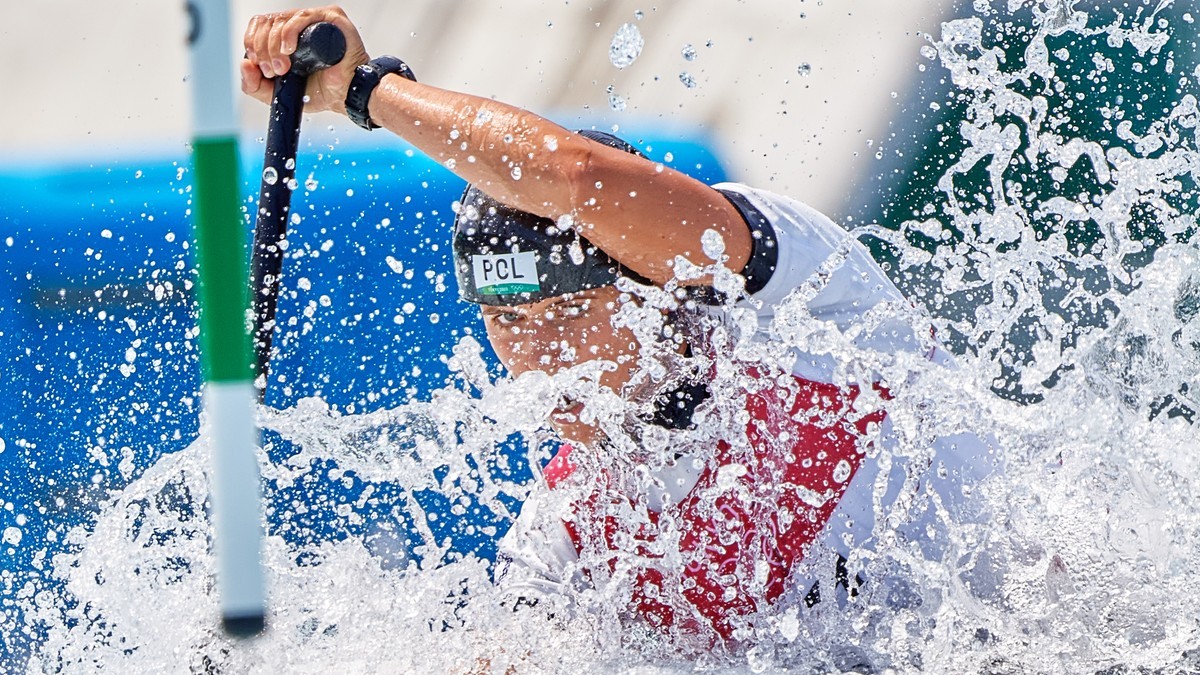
783,211
804,240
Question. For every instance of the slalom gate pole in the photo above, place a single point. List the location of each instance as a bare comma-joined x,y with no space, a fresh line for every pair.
320,45
228,395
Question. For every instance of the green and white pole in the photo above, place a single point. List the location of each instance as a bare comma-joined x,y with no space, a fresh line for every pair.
229,396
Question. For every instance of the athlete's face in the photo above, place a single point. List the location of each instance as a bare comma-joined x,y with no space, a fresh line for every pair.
561,332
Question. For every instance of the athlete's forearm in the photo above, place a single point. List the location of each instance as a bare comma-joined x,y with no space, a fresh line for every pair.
517,157
642,214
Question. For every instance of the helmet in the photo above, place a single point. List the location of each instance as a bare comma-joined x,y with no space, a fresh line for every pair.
503,256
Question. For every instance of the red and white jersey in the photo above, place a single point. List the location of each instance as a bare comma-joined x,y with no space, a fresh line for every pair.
723,538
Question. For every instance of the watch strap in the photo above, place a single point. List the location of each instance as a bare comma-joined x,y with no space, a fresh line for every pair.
366,78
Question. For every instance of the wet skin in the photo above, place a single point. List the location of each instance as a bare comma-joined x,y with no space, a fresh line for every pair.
561,332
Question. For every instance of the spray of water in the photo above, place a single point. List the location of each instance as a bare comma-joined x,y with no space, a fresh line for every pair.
1088,559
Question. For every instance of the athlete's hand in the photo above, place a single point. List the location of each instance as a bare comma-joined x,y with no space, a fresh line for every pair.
270,41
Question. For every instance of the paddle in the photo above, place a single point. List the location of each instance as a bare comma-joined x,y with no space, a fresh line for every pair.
320,46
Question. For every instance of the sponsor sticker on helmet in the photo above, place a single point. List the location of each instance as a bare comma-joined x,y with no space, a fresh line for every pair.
506,273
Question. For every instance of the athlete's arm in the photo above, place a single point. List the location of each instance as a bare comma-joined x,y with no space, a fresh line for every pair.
640,213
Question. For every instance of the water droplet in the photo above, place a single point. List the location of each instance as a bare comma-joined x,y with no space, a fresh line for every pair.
929,52
575,251
689,52
842,471
311,183
290,163
626,46
616,102
713,244
805,69
270,175
687,80
516,172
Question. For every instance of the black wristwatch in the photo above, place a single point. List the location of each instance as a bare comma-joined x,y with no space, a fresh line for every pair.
366,78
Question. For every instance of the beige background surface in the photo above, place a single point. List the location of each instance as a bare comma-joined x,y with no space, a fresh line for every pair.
108,78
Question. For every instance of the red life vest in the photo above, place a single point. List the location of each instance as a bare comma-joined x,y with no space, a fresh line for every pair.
739,547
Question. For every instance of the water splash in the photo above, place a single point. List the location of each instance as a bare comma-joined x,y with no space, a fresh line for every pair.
1087,563
626,46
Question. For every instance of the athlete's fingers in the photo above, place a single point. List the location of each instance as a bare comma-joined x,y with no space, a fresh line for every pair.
280,62
253,82
261,45
248,39
267,57
295,24
331,14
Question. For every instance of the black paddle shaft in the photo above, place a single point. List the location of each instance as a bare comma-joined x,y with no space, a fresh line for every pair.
320,46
